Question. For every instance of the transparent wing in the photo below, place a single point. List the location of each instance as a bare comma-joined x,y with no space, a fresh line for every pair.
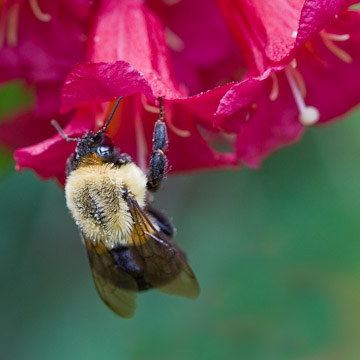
165,265
116,287
150,260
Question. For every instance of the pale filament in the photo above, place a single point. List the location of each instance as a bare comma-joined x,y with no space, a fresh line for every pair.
149,108
2,29
9,22
300,82
173,41
169,122
171,2
169,116
12,25
38,12
174,128
308,115
274,93
329,39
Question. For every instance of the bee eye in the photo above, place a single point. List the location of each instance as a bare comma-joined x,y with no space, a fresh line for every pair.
104,151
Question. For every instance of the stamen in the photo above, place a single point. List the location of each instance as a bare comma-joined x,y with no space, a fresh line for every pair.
177,131
174,41
171,2
300,82
37,11
12,26
309,115
274,93
172,126
169,123
336,37
2,29
329,39
149,108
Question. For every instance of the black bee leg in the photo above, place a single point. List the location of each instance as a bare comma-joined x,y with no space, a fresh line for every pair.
158,160
161,220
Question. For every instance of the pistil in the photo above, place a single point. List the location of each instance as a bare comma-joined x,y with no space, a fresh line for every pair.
308,115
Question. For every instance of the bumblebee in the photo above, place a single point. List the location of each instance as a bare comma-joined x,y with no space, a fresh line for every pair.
128,242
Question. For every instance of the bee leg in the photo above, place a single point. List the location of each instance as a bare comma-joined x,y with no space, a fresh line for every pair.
161,220
124,159
158,160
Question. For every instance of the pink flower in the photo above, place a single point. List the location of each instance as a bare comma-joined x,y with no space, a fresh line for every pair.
39,42
303,59
90,86
276,68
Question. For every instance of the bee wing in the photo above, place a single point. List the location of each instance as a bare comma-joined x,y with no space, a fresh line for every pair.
116,287
165,265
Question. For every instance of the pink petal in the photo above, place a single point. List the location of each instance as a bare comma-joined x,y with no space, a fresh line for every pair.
263,29
48,158
316,14
27,127
44,51
127,30
89,83
273,124
203,50
204,105
269,32
333,86
185,152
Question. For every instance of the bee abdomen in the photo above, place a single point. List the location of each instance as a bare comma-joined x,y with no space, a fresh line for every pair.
125,260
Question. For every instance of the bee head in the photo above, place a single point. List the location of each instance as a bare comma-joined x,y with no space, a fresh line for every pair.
97,143
92,143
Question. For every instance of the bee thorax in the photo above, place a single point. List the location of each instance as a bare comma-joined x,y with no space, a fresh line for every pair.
95,197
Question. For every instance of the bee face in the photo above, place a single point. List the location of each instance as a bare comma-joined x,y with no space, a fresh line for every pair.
98,144
128,242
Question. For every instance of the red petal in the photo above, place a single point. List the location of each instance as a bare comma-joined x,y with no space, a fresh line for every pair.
268,32
48,158
89,83
272,125
204,105
25,128
316,14
44,51
202,48
185,152
263,29
333,86
127,30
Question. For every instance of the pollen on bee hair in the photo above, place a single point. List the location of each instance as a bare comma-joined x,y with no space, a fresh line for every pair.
94,195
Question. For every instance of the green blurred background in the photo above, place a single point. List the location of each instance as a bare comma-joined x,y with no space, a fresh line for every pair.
276,252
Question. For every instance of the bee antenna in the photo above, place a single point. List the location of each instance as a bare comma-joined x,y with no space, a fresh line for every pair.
110,117
56,125
161,115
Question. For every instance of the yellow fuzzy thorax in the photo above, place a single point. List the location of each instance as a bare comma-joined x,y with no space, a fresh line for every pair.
94,197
